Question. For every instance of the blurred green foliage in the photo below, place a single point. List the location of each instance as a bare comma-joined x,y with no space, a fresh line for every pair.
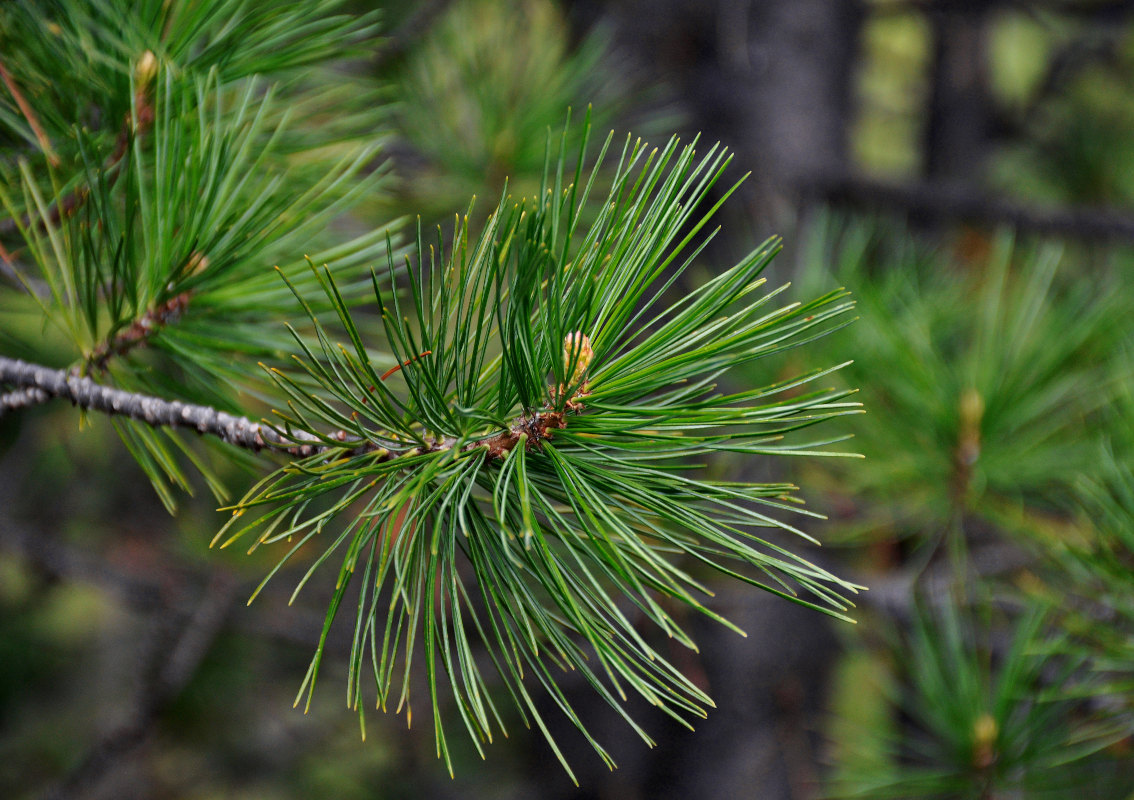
478,98
988,373
997,375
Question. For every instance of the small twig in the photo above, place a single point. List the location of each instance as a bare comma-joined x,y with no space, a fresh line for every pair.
895,592
405,363
29,114
142,329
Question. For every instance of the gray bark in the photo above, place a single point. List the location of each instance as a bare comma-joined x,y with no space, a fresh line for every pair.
35,381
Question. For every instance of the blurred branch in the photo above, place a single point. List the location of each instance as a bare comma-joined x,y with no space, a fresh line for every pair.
1080,8
170,664
942,203
1099,44
57,561
894,592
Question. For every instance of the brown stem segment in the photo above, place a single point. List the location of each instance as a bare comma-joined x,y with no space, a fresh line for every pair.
137,333
41,383
126,340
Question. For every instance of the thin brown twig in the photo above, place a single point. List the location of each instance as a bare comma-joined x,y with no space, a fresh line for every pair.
123,342
151,321
71,203
29,114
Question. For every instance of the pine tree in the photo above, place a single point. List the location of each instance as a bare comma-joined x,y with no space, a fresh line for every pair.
491,430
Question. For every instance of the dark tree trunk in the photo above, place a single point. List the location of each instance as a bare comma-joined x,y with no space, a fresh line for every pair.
799,90
957,133
772,79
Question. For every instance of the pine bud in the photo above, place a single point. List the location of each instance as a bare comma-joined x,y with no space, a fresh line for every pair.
577,350
198,263
985,733
970,412
145,69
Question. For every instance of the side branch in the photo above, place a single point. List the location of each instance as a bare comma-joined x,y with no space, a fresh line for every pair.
143,328
33,384
125,341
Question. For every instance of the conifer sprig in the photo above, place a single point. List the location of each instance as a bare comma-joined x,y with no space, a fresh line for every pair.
526,484
513,487
178,175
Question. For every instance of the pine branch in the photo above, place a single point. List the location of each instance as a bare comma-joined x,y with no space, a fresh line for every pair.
523,323
36,384
37,381
482,513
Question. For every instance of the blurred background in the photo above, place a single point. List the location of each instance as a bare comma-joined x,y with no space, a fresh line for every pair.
966,169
